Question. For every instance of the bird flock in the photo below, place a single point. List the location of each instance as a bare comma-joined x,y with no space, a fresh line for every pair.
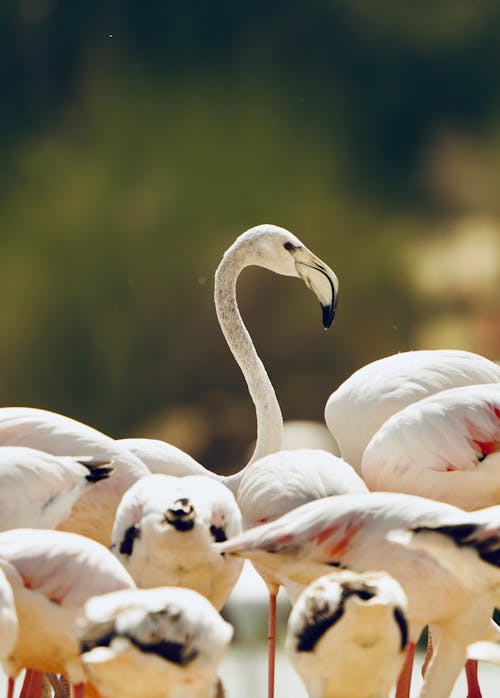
117,556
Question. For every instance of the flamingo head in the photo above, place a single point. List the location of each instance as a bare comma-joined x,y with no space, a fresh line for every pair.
280,251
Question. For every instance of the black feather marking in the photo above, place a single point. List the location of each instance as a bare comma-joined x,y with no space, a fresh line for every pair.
317,627
87,644
127,544
463,535
182,524
181,515
174,652
98,470
218,533
320,622
400,619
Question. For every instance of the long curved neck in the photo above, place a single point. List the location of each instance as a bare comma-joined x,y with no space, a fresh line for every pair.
269,419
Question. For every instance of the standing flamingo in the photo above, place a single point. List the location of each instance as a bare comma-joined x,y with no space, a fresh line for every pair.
359,407
347,635
164,530
52,573
157,643
280,251
352,531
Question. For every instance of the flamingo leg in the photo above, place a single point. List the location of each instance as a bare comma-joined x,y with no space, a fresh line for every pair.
32,685
10,688
78,690
473,689
61,686
271,645
404,680
46,691
428,653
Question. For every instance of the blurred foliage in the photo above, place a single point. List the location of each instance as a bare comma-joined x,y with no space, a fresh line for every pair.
138,141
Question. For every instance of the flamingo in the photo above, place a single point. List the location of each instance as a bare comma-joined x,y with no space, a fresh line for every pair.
164,530
166,642
359,407
38,489
444,447
280,251
347,635
351,531
94,511
52,573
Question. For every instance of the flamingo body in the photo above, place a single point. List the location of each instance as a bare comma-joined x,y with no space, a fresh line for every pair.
162,457
93,513
359,407
444,447
280,482
38,489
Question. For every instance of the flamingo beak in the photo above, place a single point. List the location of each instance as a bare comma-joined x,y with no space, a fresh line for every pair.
321,280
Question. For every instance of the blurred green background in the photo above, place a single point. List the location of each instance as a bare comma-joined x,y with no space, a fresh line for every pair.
138,139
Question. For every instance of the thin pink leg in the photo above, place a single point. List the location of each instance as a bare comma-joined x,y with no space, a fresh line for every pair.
428,653
78,690
10,688
271,645
32,685
404,680
473,689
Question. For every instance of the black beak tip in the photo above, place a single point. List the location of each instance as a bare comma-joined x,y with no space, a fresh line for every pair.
328,315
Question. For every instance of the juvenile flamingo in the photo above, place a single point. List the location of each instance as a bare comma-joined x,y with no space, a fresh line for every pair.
157,643
347,635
